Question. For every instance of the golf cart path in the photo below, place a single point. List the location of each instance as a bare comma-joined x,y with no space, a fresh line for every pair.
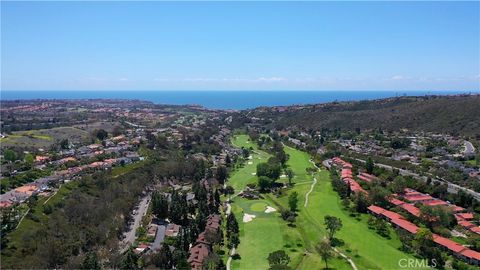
354,267
313,184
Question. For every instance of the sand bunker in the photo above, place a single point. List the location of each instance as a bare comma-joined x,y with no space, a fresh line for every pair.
253,173
248,218
283,176
250,163
270,209
250,157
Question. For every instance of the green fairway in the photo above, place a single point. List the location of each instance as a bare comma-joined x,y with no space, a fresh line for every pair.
267,232
367,249
246,174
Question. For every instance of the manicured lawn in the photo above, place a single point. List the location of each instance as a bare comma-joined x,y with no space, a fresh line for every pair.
246,174
268,232
258,237
367,249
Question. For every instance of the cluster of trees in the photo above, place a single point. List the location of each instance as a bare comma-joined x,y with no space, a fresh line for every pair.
400,143
379,225
324,247
268,173
89,219
279,260
232,231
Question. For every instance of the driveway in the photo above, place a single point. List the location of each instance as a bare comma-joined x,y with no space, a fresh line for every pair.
159,237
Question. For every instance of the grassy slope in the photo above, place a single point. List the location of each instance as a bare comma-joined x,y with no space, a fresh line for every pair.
44,138
367,248
243,176
267,232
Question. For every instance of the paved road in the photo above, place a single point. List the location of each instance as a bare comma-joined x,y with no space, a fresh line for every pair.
130,234
452,188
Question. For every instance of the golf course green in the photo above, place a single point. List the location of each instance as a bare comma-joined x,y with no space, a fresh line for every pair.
267,232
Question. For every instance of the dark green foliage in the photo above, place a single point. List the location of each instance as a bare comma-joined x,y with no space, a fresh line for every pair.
160,205
101,134
398,143
279,257
163,259
369,165
91,261
332,224
269,169
264,183
293,201
129,260
222,174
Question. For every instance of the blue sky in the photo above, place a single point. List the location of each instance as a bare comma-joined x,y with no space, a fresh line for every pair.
240,46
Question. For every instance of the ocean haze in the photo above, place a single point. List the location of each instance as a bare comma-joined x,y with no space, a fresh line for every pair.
237,100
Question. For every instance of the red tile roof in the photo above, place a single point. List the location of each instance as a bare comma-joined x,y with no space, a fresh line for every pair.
471,254
466,224
395,201
447,243
375,209
435,202
418,198
465,215
406,225
411,209
198,253
475,229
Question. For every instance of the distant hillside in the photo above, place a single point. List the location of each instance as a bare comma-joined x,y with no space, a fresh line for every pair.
447,114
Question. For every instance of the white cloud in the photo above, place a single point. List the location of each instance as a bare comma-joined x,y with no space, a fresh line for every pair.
397,77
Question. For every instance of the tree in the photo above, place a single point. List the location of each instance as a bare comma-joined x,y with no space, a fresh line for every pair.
29,159
290,175
10,155
213,262
361,202
129,260
271,169
163,258
101,134
222,174
398,185
232,224
424,246
264,183
324,249
64,144
159,205
378,196
91,261
332,224
293,201
279,257
369,165
281,156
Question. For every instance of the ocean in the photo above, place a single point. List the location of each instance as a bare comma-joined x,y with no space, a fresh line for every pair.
223,99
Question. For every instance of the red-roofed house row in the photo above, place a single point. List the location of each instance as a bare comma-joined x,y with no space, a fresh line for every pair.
453,247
